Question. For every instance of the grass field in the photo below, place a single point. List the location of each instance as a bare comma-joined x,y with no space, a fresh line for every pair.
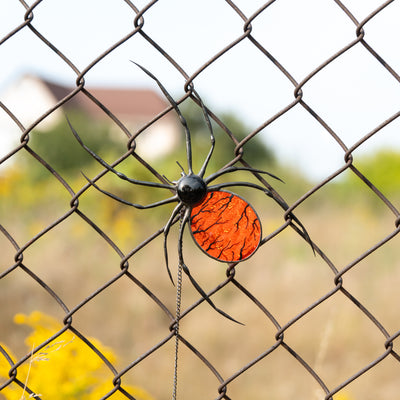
336,339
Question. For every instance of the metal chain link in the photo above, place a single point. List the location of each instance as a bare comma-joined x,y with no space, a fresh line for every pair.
28,277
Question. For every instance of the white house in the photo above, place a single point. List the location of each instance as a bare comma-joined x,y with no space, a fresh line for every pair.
30,96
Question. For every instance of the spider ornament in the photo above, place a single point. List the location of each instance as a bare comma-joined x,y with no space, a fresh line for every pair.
222,224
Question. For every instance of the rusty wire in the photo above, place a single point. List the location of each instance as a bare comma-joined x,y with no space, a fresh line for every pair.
124,270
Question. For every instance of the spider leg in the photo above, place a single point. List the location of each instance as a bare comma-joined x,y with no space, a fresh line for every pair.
212,137
139,206
203,294
111,169
233,169
178,111
167,227
247,184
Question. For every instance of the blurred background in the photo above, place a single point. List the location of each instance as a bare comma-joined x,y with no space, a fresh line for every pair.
349,104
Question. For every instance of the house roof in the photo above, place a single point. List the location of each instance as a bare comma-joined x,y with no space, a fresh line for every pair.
139,103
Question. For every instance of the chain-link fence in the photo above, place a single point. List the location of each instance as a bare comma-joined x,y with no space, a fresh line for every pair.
315,306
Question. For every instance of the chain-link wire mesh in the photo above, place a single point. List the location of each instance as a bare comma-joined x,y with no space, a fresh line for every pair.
319,321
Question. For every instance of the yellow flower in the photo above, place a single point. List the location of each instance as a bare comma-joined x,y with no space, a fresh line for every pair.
343,396
122,228
66,368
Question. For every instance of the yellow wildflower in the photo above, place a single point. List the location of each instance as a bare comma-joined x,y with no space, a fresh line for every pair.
66,368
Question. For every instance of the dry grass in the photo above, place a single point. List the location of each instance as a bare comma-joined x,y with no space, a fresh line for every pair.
335,338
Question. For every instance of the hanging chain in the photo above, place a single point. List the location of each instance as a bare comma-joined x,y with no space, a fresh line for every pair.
178,311
177,318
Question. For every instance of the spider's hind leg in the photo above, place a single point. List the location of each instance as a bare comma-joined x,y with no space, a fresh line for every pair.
203,294
268,190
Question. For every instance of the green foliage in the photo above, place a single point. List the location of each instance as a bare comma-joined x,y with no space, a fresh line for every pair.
254,150
382,169
59,148
61,151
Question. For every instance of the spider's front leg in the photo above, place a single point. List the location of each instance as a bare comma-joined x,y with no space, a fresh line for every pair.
112,169
128,203
167,227
185,220
143,207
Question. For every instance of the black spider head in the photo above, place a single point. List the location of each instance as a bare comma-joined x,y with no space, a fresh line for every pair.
191,189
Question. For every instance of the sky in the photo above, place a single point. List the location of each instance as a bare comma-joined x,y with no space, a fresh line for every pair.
353,94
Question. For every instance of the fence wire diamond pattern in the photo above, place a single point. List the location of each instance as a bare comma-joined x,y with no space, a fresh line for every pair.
305,318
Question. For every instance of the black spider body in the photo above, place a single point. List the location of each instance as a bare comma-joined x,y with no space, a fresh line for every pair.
191,190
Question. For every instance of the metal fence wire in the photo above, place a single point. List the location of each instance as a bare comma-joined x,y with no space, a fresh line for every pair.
315,307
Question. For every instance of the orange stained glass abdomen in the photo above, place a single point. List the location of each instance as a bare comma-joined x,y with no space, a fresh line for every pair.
225,226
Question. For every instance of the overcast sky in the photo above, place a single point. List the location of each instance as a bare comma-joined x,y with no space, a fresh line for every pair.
354,94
